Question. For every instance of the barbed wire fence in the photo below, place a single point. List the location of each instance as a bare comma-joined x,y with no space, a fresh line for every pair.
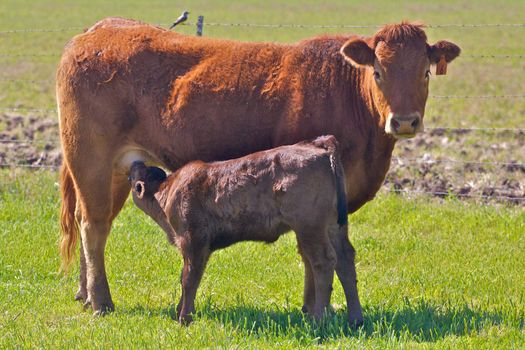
280,25
395,160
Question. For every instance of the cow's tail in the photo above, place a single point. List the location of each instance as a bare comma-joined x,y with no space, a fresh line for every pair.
68,222
330,144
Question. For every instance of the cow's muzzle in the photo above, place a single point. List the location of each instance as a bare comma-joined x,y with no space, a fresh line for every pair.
404,125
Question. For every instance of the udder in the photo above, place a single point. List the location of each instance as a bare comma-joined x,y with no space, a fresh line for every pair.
130,154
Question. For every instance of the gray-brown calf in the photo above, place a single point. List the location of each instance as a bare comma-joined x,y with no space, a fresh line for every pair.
207,206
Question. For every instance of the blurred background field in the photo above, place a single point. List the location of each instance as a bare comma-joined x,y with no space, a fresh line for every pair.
433,273
483,93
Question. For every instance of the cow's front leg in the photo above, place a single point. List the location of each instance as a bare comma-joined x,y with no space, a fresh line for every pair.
195,256
94,236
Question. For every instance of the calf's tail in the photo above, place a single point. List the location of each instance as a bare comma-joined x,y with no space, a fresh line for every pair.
68,222
337,169
330,144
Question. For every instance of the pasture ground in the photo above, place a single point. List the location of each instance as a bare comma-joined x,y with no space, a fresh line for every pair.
445,275
432,273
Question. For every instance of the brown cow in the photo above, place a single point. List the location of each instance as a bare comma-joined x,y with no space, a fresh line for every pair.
203,207
128,91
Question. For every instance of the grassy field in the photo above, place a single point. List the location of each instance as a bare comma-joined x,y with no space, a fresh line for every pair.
432,274
446,275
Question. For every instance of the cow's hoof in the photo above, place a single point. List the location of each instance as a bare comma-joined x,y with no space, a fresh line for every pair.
103,312
99,310
104,309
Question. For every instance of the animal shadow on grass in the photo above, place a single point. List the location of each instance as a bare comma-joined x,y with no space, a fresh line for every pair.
420,322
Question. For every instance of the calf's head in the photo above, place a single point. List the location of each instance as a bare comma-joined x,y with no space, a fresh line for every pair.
397,60
145,181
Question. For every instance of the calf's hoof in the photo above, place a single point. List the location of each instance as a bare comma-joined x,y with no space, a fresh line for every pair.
81,295
185,320
306,310
355,318
356,323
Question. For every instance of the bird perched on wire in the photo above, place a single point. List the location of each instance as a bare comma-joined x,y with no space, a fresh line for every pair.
182,18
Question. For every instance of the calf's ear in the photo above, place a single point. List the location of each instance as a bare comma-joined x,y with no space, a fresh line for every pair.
444,49
358,53
139,189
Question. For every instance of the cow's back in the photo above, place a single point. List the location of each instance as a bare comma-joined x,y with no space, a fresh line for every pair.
170,94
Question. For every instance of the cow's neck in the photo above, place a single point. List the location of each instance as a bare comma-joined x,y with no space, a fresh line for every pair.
369,149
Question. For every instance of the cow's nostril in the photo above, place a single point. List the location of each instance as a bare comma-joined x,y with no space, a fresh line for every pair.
415,123
395,124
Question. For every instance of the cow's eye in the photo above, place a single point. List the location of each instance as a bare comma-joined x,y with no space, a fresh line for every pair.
427,74
377,76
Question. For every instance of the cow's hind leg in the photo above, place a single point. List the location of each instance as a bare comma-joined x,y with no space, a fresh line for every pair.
346,273
318,250
195,255
81,294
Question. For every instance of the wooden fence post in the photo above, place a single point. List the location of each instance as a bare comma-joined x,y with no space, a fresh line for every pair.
200,23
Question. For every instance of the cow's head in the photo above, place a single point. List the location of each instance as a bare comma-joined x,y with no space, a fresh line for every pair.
145,181
397,60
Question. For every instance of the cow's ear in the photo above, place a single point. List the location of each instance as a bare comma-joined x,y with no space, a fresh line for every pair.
444,49
358,53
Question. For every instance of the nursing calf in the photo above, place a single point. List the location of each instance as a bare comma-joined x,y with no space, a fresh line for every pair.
203,207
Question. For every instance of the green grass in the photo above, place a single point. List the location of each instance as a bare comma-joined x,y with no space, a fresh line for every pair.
431,274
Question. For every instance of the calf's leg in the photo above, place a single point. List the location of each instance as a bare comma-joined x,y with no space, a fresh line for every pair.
321,256
309,286
195,257
345,268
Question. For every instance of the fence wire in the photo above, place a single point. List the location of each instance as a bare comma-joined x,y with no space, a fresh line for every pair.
435,129
55,54
395,159
452,194
281,25
454,161
385,188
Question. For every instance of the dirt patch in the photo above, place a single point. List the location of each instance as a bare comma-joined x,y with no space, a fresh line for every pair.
29,141
484,165
488,166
